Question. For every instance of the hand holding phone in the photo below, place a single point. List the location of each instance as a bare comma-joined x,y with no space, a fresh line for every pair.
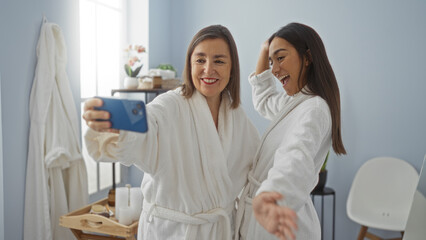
125,114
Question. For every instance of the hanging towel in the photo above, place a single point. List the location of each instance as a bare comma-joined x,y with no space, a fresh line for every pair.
56,181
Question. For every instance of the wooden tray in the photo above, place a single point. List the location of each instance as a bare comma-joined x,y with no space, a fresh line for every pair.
82,220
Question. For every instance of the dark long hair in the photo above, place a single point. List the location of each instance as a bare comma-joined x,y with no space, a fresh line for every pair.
321,80
214,32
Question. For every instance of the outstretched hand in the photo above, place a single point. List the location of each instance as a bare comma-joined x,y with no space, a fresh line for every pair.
277,220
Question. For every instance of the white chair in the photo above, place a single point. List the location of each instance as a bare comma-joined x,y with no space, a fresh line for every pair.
381,195
416,223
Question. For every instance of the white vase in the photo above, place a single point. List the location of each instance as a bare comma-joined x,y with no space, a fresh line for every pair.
131,83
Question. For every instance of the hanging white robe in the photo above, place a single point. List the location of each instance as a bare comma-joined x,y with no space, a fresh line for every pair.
193,171
56,181
289,157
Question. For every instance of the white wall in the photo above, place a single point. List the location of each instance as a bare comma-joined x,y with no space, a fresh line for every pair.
377,50
151,28
20,22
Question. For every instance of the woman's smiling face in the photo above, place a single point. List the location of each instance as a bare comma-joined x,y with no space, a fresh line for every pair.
211,67
286,64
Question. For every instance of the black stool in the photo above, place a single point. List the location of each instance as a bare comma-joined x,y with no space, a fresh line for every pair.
324,192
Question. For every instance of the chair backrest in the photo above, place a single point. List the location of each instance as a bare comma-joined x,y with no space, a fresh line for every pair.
381,193
416,228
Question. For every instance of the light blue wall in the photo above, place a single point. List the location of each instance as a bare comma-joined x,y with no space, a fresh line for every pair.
20,22
160,32
377,50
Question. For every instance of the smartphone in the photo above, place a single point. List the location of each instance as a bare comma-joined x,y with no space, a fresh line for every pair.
125,114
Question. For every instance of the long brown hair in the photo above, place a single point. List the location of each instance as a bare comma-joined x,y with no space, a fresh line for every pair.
321,80
214,32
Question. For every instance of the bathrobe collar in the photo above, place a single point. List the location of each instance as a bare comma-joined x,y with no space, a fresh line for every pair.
212,144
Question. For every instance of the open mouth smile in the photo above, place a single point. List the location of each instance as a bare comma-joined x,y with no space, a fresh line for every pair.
284,79
209,81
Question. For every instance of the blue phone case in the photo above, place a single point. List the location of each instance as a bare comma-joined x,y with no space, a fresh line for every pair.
125,114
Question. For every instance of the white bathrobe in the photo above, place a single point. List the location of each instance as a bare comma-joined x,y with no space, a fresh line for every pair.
56,181
193,171
289,158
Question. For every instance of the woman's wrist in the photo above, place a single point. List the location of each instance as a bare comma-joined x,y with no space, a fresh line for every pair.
263,61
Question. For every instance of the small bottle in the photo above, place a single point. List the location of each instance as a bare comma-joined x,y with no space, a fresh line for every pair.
111,197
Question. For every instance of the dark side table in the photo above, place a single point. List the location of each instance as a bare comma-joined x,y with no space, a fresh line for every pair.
325,192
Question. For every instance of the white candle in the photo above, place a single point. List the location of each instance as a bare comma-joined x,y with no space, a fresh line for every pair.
136,202
122,199
125,215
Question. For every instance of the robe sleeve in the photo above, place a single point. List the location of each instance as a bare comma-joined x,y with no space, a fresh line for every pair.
294,172
139,149
267,100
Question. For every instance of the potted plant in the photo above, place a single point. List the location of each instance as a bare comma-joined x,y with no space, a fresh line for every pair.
133,65
322,175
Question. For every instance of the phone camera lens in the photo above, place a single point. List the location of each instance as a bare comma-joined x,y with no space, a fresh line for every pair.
135,111
139,106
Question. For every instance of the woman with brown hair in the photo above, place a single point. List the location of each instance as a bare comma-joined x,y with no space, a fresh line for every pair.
197,151
305,124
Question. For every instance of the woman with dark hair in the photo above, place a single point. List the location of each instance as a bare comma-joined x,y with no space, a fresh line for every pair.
305,124
197,151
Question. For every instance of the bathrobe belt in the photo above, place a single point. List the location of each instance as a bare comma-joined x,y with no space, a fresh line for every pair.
245,199
217,215
252,181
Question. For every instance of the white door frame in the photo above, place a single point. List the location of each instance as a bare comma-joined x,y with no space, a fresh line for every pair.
1,175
